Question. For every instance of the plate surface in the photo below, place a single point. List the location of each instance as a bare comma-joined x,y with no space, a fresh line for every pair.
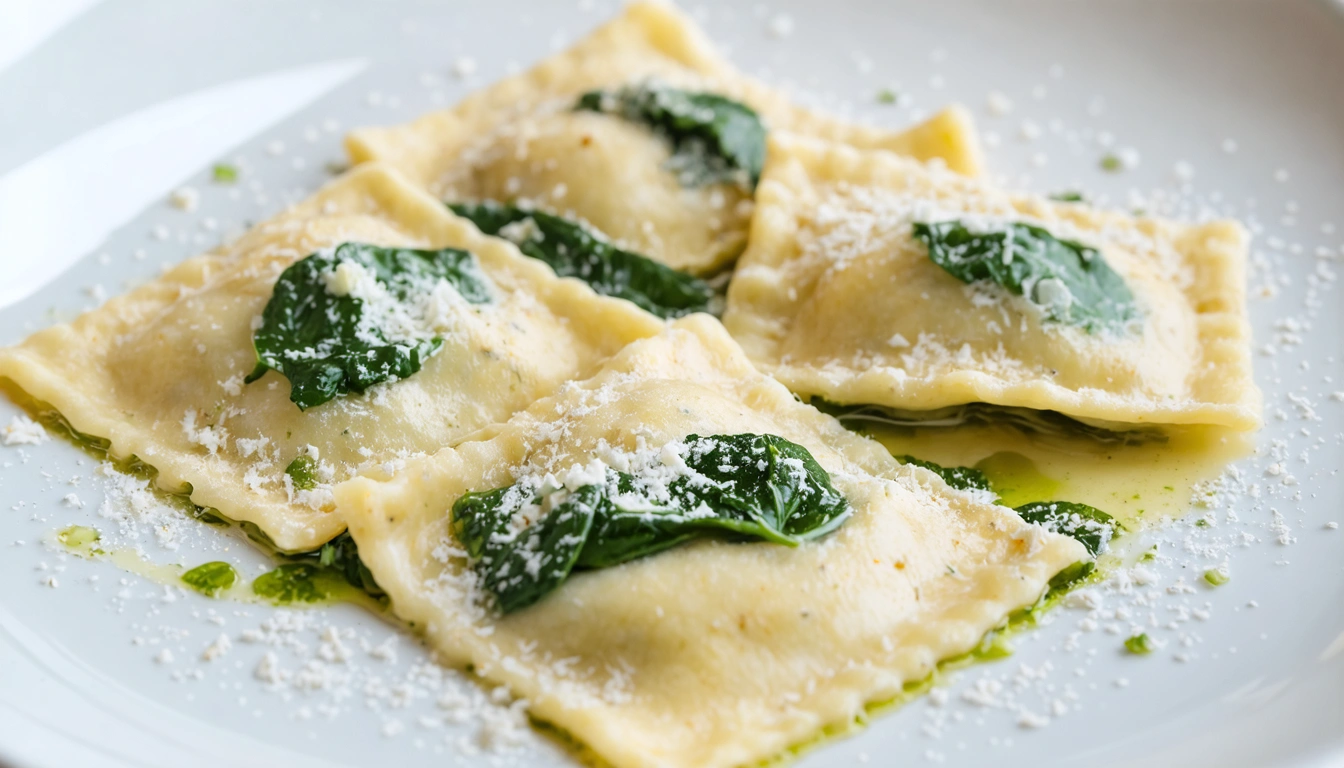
1229,106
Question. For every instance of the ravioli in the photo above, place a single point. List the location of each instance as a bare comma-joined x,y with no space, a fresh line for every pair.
159,372
711,653
522,139
839,299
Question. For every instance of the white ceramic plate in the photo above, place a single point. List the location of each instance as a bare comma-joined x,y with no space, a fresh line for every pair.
1231,105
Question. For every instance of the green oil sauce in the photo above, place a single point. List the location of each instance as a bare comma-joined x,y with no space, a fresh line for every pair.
299,584
1016,479
83,541
80,539
288,584
1137,484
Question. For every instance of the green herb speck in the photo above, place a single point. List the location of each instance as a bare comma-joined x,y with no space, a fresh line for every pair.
1112,163
225,173
1216,577
1139,645
303,471
1068,197
887,96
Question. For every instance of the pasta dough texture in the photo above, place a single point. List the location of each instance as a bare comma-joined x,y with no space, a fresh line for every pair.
522,138
712,653
837,298
159,372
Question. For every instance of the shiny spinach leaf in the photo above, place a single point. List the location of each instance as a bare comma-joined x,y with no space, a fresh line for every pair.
524,544
329,341
714,139
1071,576
961,478
575,250
772,482
1028,420
741,486
1069,281
521,566
1089,525
342,555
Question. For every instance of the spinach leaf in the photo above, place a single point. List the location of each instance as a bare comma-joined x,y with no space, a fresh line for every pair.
1028,420
522,566
1071,575
524,543
775,484
1069,281
331,343
342,555
211,578
743,486
574,250
1089,525
961,478
714,139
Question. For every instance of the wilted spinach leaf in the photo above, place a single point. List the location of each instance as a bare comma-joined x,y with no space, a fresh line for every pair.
574,250
1069,281
961,478
342,555
523,567
328,344
1028,420
714,139
1089,525
744,486
211,578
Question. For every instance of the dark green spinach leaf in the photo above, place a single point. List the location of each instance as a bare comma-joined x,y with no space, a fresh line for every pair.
1069,281
1089,525
342,555
714,139
329,345
745,486
574,250
522,567
961,478
1071,576
1028,420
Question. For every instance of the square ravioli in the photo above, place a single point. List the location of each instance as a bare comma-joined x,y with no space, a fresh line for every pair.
712,652
159,372
872,280
565,137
